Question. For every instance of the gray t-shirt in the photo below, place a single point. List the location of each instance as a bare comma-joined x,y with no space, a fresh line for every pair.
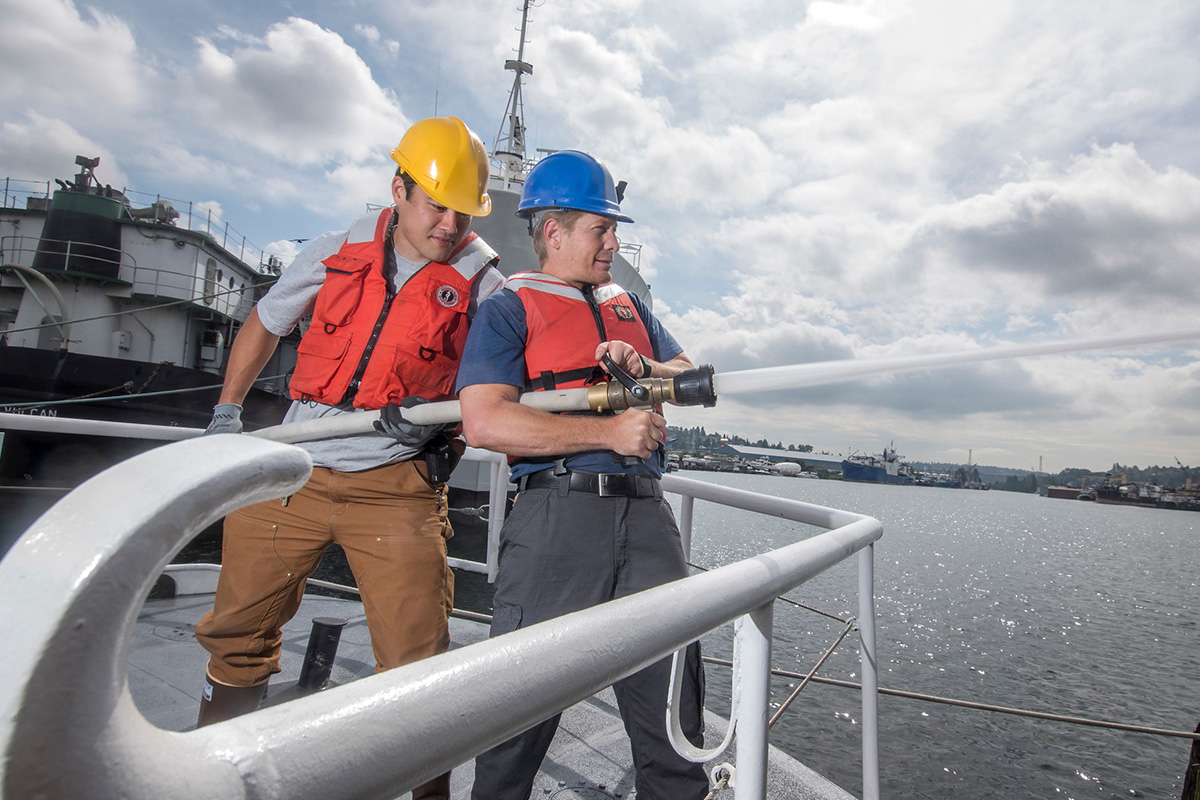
291,299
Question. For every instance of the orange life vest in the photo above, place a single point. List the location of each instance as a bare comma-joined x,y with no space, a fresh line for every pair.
564,325
375,347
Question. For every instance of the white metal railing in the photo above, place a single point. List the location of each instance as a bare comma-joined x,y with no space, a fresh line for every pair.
77,255
196,284
198,217
73,590
754,639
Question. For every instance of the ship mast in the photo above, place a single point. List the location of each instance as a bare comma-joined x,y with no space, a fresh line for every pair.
508,152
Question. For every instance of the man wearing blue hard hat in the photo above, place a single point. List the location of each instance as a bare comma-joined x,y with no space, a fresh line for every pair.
590,518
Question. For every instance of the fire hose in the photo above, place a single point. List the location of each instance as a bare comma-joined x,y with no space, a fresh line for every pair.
691,387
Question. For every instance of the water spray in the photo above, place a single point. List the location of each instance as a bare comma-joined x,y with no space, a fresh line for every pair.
702,385
797,376
699,386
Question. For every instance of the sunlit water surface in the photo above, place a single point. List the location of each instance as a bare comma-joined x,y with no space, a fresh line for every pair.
1010,599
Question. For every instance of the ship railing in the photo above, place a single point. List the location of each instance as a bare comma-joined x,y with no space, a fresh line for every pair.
81,257
17,190
198,217
202,278
76,580
201,218
633,254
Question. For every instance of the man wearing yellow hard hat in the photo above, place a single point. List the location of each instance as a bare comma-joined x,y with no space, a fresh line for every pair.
391,300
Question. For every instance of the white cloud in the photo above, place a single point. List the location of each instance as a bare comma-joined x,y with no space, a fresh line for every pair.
303,96
35,147
610,108
1107,226
349,187
53,54
285,249
691,170
375,39
368,32
842,15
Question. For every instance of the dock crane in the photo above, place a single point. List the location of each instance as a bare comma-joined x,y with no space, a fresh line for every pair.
1187,474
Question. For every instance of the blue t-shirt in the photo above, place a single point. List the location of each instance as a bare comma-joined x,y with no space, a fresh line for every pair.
495,353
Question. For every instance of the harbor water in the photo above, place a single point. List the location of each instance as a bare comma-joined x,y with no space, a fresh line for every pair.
1056,606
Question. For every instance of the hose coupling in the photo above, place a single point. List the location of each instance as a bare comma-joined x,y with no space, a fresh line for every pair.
692,387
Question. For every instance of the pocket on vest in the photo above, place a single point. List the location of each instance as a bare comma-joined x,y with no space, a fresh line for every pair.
338,299
425,371
318,360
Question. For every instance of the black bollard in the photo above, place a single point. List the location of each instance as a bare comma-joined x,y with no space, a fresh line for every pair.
318,658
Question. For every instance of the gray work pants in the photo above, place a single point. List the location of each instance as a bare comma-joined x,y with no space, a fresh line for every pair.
563,552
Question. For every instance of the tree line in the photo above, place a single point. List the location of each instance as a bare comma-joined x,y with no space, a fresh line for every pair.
699,440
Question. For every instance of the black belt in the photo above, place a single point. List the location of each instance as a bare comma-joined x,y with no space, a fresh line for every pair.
605,484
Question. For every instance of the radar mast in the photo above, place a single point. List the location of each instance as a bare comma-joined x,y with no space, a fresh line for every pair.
508,152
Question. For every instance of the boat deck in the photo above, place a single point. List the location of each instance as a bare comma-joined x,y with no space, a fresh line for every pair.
589,758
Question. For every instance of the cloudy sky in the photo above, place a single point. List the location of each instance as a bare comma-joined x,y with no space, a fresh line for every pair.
811,180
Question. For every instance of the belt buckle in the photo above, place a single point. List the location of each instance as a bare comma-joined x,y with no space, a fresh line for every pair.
612,484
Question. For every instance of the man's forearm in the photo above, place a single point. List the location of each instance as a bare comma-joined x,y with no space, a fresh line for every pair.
669,369
252,349
494,419
506,426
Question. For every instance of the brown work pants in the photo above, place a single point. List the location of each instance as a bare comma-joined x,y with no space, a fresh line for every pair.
391,523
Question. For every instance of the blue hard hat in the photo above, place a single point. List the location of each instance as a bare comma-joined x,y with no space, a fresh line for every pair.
573,181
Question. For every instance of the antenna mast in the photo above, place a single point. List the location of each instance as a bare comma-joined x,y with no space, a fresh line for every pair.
508,152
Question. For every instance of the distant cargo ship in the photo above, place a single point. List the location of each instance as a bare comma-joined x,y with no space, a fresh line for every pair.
881,468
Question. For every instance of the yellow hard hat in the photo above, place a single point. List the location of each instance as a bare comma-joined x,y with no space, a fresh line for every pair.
449,162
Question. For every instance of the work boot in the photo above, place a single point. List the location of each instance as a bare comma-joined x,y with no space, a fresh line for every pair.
221,701
436,789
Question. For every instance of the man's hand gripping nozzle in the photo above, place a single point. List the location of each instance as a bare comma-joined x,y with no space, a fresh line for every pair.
693,387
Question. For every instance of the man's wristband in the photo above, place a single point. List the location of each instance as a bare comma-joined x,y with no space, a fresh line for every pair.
645,366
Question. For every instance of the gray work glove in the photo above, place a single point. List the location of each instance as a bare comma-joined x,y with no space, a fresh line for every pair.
392,422
227,418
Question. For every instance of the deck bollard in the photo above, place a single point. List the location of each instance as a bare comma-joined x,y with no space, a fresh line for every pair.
318,658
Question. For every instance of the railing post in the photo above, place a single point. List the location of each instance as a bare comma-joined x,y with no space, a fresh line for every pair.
754,651
870,672
498,508
687,504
